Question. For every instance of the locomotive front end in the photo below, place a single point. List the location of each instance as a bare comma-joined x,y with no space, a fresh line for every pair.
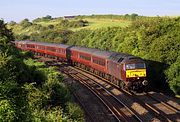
136,75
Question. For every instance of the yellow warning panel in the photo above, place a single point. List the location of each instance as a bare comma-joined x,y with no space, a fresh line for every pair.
135,73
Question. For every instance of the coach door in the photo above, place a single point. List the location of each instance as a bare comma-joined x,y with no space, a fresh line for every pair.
68,54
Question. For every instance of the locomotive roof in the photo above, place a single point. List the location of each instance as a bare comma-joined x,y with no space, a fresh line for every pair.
121,57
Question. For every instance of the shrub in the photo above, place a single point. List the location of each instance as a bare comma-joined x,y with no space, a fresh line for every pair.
7,112
173,76
75,112
13,102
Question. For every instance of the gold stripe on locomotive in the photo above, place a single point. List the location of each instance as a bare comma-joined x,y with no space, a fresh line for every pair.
135,73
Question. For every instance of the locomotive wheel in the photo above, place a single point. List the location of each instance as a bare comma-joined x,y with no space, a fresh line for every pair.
122,84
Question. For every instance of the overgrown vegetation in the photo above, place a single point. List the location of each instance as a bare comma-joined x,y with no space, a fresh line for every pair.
156,39
29,91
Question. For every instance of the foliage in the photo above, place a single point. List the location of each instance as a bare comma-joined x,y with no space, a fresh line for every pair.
50,115
133,16
75,112
5,33
6,111
13,102
48,100
76,37
73,24
52,36
25,23
29,91
173,75
46,18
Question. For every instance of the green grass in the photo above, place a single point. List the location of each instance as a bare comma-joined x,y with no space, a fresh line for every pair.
46,23
93,23
103,23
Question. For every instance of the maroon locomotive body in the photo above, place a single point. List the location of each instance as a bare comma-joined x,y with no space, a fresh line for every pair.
122,69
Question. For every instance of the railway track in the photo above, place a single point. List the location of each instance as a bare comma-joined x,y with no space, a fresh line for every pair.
117,107
125,97
162,111
94,110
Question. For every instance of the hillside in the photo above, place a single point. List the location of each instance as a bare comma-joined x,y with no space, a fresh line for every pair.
25,27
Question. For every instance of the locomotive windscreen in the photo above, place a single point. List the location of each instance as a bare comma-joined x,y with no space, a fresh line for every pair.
135,66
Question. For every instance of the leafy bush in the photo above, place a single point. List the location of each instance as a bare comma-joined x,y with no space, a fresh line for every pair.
73,24
13,101
25,23
7,112
49,100
173,76
50,115
75,112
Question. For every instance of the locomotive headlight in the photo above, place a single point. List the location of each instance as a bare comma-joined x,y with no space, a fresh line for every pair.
145,82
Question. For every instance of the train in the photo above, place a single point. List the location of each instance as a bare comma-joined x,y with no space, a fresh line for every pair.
121,69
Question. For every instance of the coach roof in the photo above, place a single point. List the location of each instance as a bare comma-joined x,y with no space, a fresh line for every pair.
83,49
102,54
46,44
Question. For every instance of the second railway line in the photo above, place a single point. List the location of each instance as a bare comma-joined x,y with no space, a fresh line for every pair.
140,109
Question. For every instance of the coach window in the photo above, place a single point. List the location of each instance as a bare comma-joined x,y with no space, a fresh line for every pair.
42,47
30,46
51,49
99,62
85,57
60,51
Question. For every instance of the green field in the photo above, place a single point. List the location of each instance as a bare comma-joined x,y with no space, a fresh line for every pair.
103,23
94,23
51,22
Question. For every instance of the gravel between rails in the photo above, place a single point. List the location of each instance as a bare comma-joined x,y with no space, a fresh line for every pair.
91,103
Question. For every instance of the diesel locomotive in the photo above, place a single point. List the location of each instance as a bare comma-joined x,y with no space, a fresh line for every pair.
124,70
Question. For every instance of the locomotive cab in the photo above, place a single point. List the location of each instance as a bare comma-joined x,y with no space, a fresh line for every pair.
135,70
135,73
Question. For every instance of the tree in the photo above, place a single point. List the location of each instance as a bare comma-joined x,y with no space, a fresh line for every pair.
5,33
47,17
25,23
12,23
